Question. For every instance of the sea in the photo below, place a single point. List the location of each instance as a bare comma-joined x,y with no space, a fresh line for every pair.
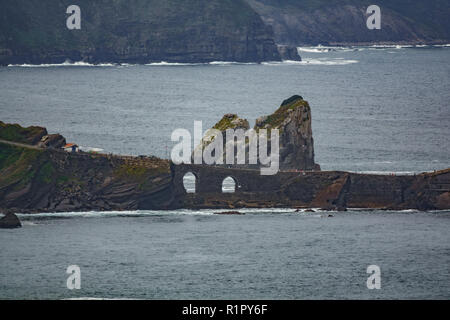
376,109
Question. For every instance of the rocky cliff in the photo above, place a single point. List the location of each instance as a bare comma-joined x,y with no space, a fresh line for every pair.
138,31
315,22
35,177
293,121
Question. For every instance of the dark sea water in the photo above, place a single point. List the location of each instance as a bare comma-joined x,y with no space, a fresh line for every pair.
374,109
277,254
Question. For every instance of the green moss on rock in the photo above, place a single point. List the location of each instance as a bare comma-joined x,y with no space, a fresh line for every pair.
276,119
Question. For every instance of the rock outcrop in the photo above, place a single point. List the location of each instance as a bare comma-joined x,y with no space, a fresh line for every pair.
289,53
52,141
10,221
292,119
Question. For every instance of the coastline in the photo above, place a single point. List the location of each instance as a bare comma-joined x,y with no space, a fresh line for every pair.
99,182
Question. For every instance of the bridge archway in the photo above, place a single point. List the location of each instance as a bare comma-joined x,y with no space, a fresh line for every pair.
230,185
190,182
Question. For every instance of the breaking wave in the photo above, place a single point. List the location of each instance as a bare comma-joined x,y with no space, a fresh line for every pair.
312,61
325,49
64,64
337,49
212,63
29,219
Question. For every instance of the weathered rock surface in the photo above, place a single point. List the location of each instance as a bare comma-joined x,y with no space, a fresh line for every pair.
329,190
289,53
52,141
10,221
53,180
292,119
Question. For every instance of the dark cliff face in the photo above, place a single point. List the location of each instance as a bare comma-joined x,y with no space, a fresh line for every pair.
315,22
50,180
137,31
293,122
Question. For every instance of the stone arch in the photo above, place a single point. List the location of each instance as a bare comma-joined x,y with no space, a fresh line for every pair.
230,185
190,182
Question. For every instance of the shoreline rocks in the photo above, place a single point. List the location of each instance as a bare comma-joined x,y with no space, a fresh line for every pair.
289,53
10,221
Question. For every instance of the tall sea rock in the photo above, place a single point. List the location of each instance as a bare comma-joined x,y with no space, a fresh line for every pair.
293,121
135,31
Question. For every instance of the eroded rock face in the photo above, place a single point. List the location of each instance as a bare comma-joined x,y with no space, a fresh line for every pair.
52,141
289,53
292,119
10,221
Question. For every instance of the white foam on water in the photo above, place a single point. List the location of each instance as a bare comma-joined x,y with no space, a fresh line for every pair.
169,64
212,63
28,223
312,49
90,149
326,49
304,212
64,64
225,63
313,62
328,62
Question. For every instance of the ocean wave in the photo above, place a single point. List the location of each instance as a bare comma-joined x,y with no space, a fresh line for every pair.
311,61
325,49
212,63
313,49
91,149
328,62
303,212
64,64
164,63
224,63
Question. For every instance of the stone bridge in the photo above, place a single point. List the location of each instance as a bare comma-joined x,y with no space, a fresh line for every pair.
325,189
209,179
